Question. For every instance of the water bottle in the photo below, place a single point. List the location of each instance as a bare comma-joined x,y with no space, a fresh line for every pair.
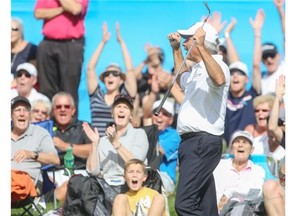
69,162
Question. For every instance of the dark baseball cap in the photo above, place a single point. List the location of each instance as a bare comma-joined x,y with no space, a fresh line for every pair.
123,98
19,99
269,50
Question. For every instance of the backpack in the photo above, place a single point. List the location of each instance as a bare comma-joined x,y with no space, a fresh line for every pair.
153,180
88,196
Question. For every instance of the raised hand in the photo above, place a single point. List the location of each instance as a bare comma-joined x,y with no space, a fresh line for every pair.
105,33
229,28
216,22
279,3
92,135
257,24
118,35
174,39
280,87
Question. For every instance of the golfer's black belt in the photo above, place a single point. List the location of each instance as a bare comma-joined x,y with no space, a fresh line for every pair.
191,134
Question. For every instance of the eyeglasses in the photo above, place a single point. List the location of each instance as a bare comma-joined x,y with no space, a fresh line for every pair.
164,112
19,110
268,55
66,106
263,110
40,111
114,73
26,74
15,29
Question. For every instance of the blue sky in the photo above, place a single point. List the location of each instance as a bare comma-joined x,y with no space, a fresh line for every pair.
144,22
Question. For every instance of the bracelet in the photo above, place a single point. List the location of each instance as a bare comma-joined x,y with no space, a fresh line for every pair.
118,146
257,36
227,34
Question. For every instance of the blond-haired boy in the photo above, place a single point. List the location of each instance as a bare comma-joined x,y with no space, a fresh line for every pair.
138,198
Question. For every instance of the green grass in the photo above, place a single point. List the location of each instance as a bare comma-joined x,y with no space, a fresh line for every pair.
18,212
50,206
171,201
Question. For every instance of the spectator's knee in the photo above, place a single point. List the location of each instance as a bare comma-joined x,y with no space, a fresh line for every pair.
269,187
159,199
120,199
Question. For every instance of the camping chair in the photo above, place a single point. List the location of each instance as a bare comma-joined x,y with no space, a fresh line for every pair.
47,124
153,156
261,160
31,204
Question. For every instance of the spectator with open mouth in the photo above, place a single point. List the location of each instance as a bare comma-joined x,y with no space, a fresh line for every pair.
121,143
114,79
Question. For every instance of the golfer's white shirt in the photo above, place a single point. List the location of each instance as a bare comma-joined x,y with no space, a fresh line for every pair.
204,105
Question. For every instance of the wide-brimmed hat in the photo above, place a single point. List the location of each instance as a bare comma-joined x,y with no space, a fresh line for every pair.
112,68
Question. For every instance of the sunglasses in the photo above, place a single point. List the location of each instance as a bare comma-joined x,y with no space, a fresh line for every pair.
39,111
268,55
164,112
15,29
26,74
66,106
114,73
263,110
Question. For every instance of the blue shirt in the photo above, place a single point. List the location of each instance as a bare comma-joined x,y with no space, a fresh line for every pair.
169,140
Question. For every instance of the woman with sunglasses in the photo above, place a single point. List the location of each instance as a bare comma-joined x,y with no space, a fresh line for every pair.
114,79
262,139
21,50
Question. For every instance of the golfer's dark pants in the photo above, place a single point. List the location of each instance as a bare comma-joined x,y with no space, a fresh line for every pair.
199,154
59,66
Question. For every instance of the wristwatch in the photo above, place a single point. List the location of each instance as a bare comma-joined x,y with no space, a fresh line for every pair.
36,155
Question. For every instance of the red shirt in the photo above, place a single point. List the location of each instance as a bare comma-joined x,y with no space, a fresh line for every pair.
65,26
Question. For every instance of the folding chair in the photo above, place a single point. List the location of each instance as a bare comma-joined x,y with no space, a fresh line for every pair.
30,204
47,124
261,160
153,156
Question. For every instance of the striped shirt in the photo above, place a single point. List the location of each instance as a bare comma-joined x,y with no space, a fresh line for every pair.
100,111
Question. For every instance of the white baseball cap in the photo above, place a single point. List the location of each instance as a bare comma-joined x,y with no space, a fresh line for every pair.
168,106
245,134
30,68
239,66
211,33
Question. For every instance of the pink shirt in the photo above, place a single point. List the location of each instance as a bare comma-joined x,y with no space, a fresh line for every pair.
65,26
236,185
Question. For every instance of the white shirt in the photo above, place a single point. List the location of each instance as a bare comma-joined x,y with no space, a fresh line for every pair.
204,106
234,184
34,95
268,82
261,146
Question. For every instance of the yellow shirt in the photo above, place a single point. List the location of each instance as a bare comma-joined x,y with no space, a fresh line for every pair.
144,196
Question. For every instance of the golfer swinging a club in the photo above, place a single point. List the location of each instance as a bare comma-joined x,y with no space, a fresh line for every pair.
201,117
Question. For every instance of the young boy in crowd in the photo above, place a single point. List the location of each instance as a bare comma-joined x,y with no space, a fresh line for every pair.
138,198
